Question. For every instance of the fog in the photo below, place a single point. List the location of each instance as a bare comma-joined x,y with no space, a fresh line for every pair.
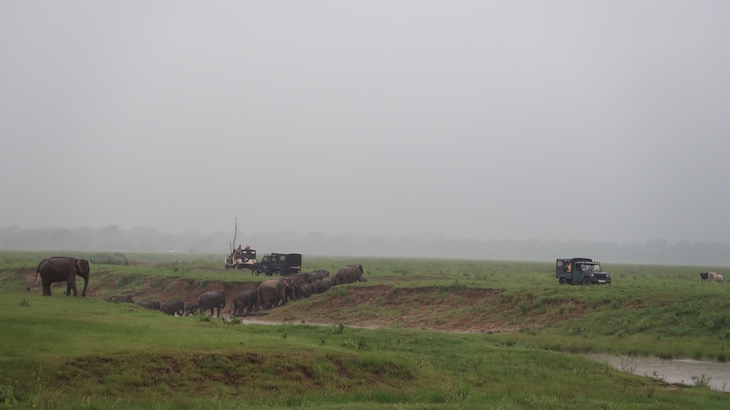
604,121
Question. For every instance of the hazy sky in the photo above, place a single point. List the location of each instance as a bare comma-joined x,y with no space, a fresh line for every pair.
596,120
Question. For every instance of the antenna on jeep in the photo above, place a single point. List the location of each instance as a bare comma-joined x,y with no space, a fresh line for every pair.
235,233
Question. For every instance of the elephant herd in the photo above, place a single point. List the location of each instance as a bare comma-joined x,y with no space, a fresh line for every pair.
213,300
276,292
270,293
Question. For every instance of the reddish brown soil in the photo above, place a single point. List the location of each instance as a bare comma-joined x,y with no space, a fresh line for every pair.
434,308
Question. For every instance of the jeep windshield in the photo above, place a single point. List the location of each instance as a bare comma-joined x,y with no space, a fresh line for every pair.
592,267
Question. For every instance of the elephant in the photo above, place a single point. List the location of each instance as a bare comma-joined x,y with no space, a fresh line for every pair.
213,300
318,274
173,307
191,309
306,290
348,274
121,299
62,269
322,285
271,293
293,286
299,285
149,304
246,299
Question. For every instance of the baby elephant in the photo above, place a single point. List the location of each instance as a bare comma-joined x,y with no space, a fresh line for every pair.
191,309
173,307
121,299
213,300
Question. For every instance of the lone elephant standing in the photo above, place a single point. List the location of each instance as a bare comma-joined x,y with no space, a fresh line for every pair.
63,269
348,274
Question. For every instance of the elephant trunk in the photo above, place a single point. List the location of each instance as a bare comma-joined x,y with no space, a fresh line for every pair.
86,284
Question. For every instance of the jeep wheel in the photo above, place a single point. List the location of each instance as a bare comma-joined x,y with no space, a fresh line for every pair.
563,281
586,281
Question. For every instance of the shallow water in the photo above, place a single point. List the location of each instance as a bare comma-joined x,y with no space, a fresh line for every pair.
681,371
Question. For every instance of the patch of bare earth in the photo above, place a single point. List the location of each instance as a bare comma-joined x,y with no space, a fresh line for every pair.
430,308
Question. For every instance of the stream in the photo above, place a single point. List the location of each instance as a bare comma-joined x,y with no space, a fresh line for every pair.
715,375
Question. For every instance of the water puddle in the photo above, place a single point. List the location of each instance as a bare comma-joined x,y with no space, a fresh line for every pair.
715,375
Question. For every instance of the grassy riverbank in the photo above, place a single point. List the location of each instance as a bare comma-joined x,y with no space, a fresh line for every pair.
455,334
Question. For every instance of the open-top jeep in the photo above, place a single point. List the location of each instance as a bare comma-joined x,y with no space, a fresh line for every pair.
580,270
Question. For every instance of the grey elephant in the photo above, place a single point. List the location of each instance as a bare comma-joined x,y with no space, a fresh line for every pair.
271,293
306,290
318,274
246,299
149,304
293,287
173,307
214,300
321,285
348,274
191,309
121,299
62,269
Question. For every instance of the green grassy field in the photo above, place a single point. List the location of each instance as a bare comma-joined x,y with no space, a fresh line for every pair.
419,334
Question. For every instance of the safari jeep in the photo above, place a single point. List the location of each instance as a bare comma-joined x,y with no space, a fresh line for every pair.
580,270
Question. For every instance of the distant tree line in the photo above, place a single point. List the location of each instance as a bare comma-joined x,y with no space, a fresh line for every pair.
114,239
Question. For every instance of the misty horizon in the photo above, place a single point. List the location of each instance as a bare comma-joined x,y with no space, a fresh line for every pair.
488,121
241,235
149,240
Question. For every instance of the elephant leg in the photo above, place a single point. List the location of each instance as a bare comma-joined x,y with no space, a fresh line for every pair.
46,287
71,285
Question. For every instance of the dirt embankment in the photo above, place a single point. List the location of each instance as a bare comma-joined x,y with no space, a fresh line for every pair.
433,308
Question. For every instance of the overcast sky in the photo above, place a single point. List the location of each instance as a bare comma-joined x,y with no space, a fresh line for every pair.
555,120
